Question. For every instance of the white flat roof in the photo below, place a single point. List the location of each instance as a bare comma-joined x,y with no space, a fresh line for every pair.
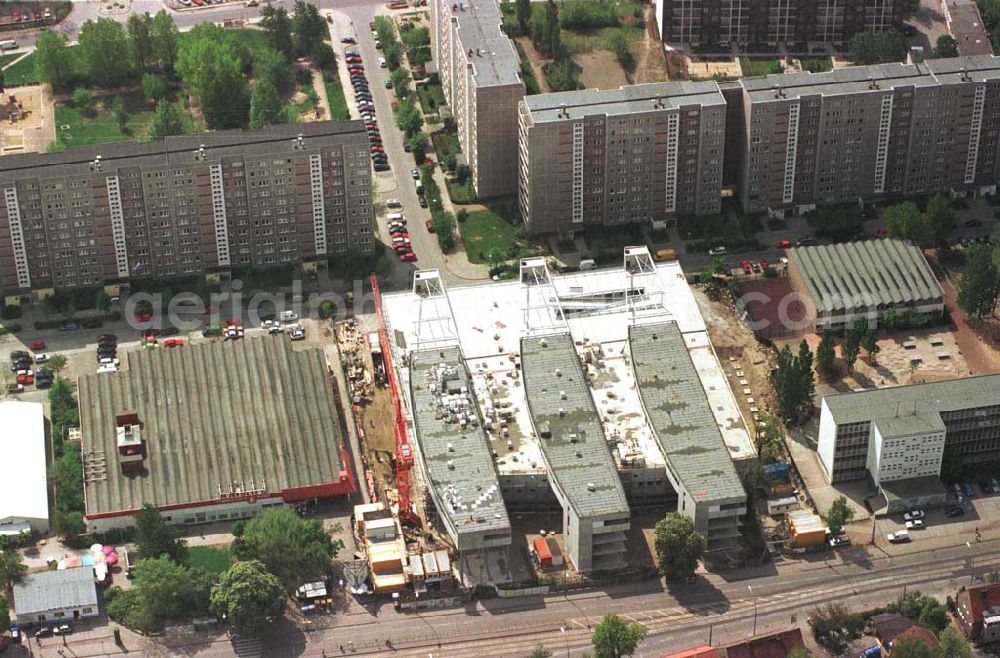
24,489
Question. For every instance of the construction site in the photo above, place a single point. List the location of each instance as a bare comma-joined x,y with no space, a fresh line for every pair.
534,428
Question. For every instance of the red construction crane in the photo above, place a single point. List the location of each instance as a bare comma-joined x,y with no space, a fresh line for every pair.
404,453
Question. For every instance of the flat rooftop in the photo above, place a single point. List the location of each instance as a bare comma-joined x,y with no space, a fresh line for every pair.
251,413
678,408
567,423
966,25
564,105
183,149
866,273
24,488
452,443
886,403
858,79
492,55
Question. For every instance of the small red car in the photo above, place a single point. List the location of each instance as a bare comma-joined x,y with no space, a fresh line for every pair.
145,316
745,264
173,342
784,244
408,257
26,379
150,333
430,225
764,263
37,345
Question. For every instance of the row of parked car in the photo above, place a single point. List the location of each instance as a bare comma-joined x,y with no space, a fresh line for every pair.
363,96
22,365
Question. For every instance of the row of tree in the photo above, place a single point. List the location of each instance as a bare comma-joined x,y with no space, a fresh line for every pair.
794,382
932,227
979,289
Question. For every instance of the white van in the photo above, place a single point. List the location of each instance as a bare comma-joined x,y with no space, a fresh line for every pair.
587,264
394,217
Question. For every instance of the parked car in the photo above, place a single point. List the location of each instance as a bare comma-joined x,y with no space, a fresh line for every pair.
37,345
913,515
898,537
955,511
783,244
422,201
348,40
44,631
62,629
969,490
840,540
393,203
41,358
717,251
804,242
415,173
173,342
388,83
14,388
972,223
916,524
429,224
408,257
381,167
382,63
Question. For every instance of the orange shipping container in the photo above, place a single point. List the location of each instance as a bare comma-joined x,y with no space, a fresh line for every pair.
542,551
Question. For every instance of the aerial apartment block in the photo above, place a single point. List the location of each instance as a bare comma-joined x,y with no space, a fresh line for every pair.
184,205
743,22
637,154
870,132
481,79
899,436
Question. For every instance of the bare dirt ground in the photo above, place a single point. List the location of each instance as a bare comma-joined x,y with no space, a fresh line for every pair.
323,111
536,60
600,70
978,339
650,65
37,130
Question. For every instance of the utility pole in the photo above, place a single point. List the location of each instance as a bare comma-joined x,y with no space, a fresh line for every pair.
750,587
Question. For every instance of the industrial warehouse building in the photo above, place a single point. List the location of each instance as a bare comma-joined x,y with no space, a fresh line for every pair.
184,205
24,488
210,432
841,282
899,436
539,387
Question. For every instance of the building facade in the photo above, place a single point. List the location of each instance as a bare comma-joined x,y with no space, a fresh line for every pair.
638,154
184,206
870,132
978,611
771,21
905,432
481,80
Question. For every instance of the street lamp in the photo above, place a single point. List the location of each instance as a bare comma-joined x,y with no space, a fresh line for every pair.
749,587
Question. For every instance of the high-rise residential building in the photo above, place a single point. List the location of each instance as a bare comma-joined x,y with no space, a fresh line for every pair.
638,154
184,205
771,21
481,77
871,132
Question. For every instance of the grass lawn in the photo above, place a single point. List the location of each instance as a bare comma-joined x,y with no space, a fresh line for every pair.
307,104
445,144
462,193
100,127
23,73
213,560
484,231
338,104
8,58
752,67
582,42
431,97
531,85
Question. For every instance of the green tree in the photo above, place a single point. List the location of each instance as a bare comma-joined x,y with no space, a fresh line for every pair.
794,381
154,87
66,476
838,515
64,412
912,647
870,344
400,80
418,145
265,106
140,31
799,652
980,284
939,219
118,108
309,28
679,546
293,549
270,66
11,567
953,644
614,638
946,46
871,48
5,615
247,596
211,70
278,26
826,355
770,440
105,52
53,59
408,117
161,591
540,652
82,98
68,524
163,37
851,345
904,221
524,16
166,121
933,615
154,537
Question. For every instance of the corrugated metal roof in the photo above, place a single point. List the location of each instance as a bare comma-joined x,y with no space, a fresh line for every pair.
884,403
213,414
679,411
561,404
866,273
458,462
45,591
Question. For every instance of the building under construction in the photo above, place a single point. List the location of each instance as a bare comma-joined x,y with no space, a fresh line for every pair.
559,393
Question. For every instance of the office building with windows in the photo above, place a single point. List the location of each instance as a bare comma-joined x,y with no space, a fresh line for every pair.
743,22
870,132
637,154
184,206
481,78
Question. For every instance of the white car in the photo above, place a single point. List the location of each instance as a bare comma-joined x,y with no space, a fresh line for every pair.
107,367
288,316
271,327
41,358
915,524
393,203
913,515
382,63
717,251
898,537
